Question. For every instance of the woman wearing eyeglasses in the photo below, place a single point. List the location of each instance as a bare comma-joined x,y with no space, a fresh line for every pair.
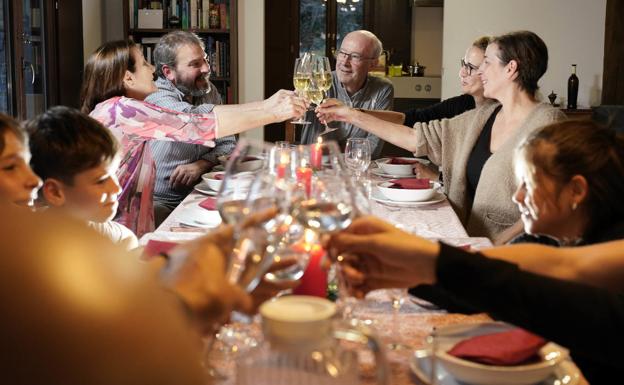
472,97
471,86
475,149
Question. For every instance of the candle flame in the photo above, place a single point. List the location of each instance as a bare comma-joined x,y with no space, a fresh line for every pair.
319,140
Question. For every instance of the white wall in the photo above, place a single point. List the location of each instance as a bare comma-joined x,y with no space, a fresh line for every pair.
251,55
92,28
102,21
427,23
572,29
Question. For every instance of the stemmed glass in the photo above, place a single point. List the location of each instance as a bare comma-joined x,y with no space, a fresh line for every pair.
302,79
247,262
322,76
358,155
397,298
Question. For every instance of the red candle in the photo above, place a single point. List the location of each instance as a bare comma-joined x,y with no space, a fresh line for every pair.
281,170
316,155
314,280
304,176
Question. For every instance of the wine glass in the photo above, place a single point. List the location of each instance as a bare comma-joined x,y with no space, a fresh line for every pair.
302,79
322,77
397,298
357,155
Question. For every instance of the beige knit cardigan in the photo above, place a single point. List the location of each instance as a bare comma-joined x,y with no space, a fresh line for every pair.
448,143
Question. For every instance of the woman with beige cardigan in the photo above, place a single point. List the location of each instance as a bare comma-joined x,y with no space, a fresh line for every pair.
475,149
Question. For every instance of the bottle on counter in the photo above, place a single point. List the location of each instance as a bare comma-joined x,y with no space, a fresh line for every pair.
573,83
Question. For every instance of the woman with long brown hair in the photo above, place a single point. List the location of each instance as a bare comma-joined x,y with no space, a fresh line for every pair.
117,79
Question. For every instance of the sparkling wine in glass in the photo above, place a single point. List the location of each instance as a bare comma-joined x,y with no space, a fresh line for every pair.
322,77
302,79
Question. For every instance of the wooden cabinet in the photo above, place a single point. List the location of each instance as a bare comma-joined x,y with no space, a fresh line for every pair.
41,48
214,21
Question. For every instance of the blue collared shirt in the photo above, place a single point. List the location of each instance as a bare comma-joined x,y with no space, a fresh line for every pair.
169,155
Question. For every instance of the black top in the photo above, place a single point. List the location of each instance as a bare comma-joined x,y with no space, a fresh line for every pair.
480,154
585,319
446,109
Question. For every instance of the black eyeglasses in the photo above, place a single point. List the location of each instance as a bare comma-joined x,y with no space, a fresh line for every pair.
468,67
354,57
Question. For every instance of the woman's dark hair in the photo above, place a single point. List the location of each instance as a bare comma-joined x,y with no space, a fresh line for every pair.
531,54
582,147
8,124
104,73
65,142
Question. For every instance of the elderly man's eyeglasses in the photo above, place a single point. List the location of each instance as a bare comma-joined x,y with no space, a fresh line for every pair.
468,67
354,57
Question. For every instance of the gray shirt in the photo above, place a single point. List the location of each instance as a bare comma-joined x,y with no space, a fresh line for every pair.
376,94
169,155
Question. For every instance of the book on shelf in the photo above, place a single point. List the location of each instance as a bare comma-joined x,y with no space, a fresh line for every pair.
185,14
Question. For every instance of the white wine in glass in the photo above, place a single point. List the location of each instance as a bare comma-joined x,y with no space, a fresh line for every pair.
322,76
302,79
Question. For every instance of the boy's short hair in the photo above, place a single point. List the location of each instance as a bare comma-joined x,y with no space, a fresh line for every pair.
8,124
65,142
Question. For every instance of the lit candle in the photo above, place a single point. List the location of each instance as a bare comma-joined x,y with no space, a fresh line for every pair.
304,177
316,154
284,163
314,280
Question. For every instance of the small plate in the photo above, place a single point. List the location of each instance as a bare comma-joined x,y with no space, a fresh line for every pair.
203,188
378,196
420,364
196,216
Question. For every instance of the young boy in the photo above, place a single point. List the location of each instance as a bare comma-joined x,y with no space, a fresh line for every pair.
76,157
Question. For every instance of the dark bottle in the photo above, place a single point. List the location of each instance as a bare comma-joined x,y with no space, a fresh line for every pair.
573,83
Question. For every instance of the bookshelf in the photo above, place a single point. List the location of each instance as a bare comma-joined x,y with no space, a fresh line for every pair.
214,21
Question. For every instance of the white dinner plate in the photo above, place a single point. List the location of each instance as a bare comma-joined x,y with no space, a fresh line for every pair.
420,364
196,216
203,188
379,197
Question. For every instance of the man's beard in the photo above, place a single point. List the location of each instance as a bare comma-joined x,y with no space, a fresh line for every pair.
191,88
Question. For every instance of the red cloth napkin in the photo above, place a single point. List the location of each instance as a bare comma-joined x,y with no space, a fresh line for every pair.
513,347
155,247
209,203
411,183
402,161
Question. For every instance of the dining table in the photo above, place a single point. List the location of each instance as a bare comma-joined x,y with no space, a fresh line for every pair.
415,320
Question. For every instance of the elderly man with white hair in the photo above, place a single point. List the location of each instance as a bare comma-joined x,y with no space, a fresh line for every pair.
358,53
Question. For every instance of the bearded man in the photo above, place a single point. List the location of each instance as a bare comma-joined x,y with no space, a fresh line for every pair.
183,83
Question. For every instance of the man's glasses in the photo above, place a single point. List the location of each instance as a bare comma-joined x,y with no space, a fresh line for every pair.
354,57
468,67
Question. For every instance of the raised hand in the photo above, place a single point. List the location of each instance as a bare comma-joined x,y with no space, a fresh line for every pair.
376,255
333,110
285,104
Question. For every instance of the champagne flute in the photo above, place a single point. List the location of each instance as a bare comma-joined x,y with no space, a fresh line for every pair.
302,78
322,76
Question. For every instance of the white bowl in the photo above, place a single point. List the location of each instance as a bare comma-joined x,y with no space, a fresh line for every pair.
398,169
407,195
211,180
476,373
